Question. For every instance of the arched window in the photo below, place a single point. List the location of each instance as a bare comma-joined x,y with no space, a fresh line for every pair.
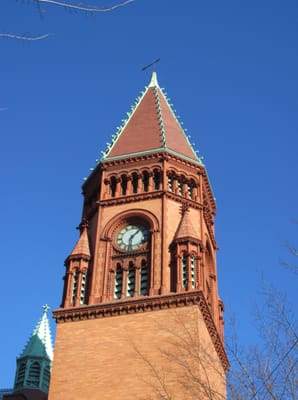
209,261
118,282
170,183
156,179
184,270
74,286
209,274
179,182
144,279
83,287
46,376
145,181
134,182
193,270
190,188
34,374
113,186
131,280
21,374
123,184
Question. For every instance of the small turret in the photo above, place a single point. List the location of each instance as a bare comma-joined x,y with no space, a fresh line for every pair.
35,362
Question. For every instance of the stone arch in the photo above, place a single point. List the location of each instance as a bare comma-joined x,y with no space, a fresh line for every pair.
135,214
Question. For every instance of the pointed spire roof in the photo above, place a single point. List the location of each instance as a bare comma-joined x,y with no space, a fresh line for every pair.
151,127
82,245
186,228
40,342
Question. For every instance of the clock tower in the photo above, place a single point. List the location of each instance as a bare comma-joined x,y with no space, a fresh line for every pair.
143,269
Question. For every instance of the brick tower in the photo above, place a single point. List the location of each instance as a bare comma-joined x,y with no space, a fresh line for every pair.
141,279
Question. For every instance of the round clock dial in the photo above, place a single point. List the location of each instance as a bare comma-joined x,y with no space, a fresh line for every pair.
131,237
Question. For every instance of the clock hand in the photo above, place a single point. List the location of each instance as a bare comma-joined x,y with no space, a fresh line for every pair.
133,235
130,239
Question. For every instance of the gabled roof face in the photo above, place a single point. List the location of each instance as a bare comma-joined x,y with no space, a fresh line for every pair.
152,126
40,342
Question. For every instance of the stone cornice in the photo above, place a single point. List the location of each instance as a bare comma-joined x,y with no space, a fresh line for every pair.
148,196
130,198
151,155
147,304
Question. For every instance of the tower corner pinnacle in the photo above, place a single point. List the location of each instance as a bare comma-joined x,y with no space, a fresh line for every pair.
154,81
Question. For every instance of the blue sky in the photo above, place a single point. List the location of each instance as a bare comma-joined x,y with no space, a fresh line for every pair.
230,68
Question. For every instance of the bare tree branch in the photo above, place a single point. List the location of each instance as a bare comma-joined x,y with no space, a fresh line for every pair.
294,252
25,37
82,7
269,370
70,5
190,369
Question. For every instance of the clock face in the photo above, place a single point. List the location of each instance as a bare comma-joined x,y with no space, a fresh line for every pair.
132,237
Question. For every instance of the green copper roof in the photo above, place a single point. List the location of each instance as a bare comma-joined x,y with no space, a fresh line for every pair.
40,342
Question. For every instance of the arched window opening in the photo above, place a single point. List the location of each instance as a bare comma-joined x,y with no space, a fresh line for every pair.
21,375
46,376
144,279
193,271
191,189
156,179
182,186
83,287
135,182
118,282
170,183
179,182
123,184
74,286
209,261
210,273
113,186
145,181
184,270
131,280
34,374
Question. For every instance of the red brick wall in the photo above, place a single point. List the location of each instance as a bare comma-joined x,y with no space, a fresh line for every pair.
109,358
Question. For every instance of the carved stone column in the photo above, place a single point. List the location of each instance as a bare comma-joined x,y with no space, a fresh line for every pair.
137,280
124,281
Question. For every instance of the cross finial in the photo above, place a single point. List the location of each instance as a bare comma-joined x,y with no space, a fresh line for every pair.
45,308
151,65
